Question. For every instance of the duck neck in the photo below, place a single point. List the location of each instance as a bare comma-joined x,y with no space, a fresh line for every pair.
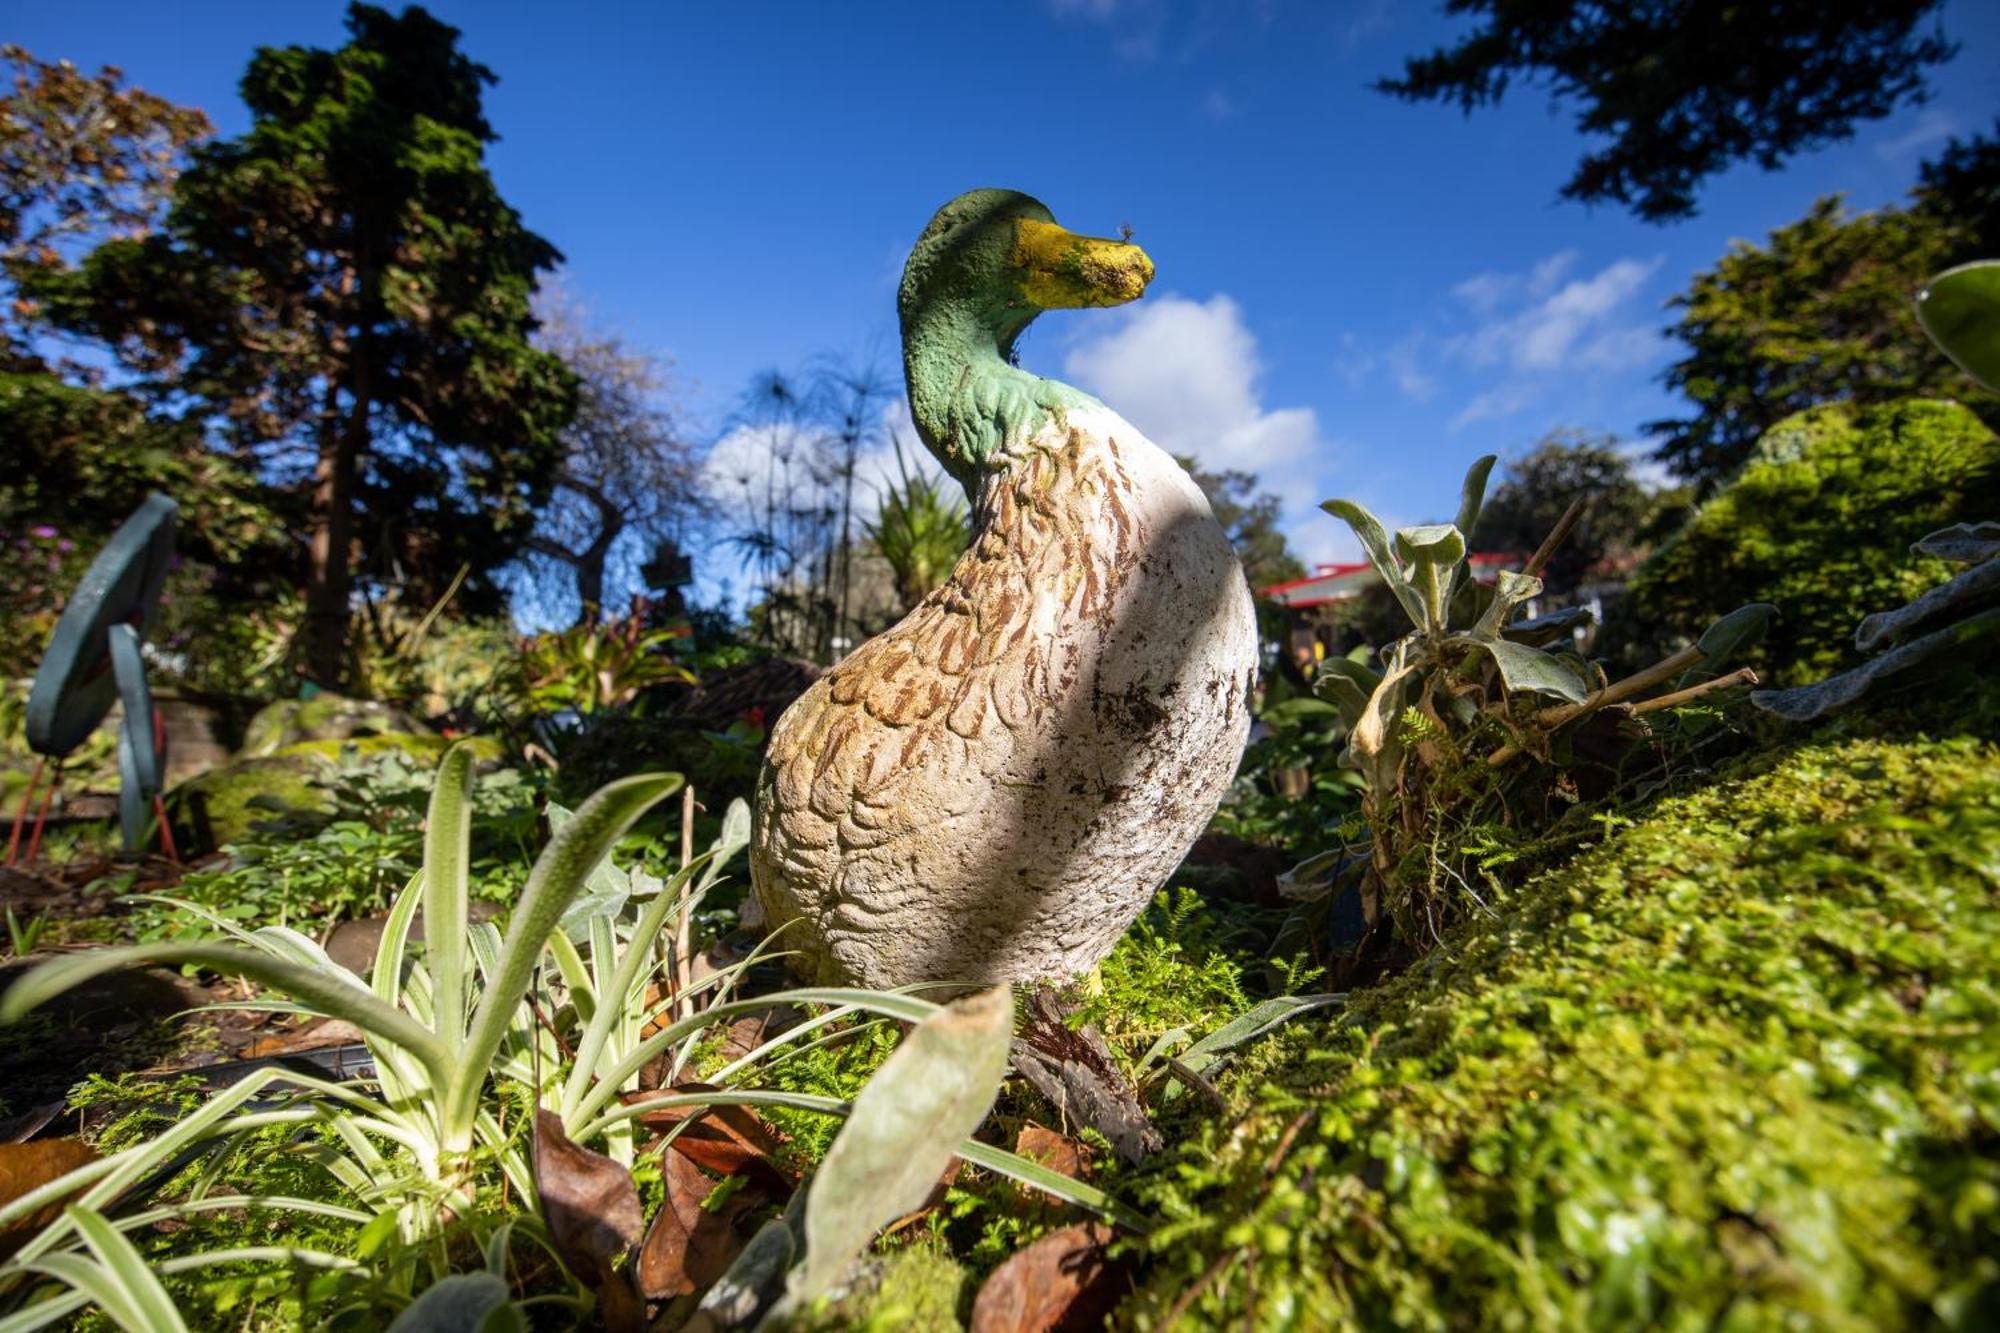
971,406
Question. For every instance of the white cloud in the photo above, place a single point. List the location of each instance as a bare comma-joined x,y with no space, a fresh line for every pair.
1502,400
1219,106
1405,363
1188,374
1488,292
1934,126
1580,323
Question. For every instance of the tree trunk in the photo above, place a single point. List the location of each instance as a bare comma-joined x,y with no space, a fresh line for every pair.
590,563
342,443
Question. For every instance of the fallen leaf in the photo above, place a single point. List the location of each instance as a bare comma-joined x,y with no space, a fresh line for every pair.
1063,1283
1056,1151
687,1248
26,1167
327,1032
1073,1068
726,1139
593,1215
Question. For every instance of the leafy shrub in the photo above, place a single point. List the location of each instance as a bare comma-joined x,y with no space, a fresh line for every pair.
1820,522
1733,1068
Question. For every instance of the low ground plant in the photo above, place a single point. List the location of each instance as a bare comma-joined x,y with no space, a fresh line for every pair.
496,1054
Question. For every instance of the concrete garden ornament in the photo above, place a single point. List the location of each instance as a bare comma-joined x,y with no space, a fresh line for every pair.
995,787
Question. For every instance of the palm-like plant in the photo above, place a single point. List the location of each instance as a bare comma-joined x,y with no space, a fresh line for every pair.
920,529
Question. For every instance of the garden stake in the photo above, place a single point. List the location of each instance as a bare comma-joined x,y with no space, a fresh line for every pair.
42,816
21,814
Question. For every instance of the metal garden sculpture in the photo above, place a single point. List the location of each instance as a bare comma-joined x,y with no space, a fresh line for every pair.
94,660
994,788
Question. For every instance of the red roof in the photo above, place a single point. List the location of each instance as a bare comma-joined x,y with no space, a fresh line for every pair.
1338,583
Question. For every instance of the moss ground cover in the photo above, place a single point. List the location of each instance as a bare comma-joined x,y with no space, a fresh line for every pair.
1738,1066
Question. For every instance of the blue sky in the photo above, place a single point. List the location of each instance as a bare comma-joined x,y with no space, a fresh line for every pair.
1356,296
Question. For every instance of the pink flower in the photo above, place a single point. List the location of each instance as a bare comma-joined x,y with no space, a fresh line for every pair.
43,532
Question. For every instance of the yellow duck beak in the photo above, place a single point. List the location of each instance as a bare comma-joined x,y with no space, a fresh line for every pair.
1065,271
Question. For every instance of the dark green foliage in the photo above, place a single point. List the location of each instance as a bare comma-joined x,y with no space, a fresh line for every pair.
1824,311
1687,88
1567,465
1733,1068
1820,523
1962,187
343,288
81,459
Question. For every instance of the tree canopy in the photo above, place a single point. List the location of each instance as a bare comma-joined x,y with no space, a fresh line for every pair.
1686,88
1822,312
344,291
1566,466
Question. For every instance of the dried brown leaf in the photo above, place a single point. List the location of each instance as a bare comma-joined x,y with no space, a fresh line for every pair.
728,1140
1054,1150
594,1219
688,1247
1063,1283
25,1167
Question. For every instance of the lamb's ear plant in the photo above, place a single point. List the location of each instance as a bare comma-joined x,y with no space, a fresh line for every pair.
1477,704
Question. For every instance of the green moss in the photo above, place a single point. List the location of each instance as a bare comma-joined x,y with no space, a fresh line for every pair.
225,804
918,1288
1738,1066
1182,965
324,717
1820,523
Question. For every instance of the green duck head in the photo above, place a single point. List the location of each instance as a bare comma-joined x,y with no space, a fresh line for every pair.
988,263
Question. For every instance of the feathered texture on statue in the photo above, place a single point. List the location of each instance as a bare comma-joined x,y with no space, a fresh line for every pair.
995,787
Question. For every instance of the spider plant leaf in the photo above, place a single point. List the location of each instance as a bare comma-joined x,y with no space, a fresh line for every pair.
448,889
135,1299
324,990
906,1124
387,976
558,876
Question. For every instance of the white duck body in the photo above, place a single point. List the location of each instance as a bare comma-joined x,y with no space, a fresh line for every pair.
993,789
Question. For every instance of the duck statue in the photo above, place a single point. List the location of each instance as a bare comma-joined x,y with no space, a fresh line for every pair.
993,789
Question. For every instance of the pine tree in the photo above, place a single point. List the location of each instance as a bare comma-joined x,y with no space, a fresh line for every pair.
344,289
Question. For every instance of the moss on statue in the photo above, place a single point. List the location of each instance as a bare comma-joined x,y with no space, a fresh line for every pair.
1737,1066
1820,522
